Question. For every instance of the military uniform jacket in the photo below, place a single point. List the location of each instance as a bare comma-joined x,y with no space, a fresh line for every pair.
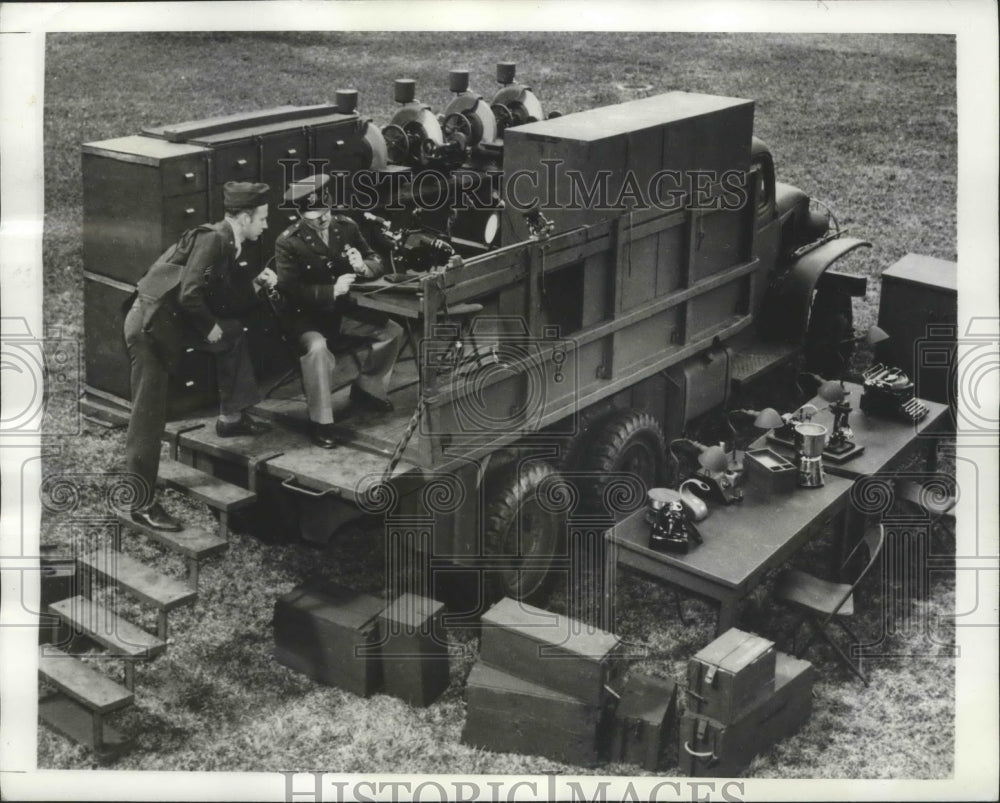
194,285
307,270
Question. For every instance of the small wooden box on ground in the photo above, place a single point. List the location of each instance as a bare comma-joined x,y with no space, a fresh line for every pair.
730,674
553,650
507,714
709,747
414,649
643,718
330,633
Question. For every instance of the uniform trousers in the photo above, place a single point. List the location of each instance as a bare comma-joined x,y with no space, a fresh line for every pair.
237,389
318,364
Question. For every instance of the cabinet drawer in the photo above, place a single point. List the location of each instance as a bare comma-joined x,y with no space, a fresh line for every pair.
236,161
182,213
340,145
182,176
284,159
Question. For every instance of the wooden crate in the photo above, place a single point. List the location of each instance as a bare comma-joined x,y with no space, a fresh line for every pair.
330,633
645,714
414,649
675,131
730,674
554,651
507,714
709,747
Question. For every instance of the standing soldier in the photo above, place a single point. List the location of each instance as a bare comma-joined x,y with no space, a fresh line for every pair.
191,297
317,259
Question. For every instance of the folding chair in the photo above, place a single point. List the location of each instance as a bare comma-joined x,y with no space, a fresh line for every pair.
823,603
927,497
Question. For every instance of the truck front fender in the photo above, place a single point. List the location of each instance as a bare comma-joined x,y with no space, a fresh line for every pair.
785,311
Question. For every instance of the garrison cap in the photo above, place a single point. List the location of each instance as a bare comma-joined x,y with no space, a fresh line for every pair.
309,194
244,194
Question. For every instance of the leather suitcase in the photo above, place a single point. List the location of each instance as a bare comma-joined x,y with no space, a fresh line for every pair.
506,714
643,718
552,650
728,675
330,633
709,747
414,649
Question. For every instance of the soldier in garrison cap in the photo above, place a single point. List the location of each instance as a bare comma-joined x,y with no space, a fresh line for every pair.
317,259
192,296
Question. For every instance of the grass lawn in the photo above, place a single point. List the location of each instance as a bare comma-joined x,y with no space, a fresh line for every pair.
865,123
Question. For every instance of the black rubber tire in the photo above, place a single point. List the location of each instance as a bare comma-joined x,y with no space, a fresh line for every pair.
588,424
628,441
517,525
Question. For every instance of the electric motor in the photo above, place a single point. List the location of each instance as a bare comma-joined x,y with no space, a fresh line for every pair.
514,104
468,117
414,135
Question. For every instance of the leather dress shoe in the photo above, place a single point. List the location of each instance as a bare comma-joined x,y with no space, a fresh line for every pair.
365,399
245,426
156,517
323,436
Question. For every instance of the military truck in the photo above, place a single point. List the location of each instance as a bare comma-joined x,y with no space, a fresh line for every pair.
648,262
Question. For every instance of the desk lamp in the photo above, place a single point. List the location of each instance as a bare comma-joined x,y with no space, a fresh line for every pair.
719,483
765,419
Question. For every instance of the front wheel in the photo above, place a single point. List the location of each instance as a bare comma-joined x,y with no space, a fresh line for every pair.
525,530
627,442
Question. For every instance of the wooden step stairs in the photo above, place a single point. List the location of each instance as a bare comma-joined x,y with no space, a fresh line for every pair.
218,494
192,543
84,698
117,635
140,581
84,695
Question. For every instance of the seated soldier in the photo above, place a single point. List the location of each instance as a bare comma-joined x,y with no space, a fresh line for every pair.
317,259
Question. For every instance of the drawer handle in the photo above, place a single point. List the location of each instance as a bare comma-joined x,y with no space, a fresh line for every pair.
340,143
243,263
189,211
189,383
189,176
292,151
241,162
